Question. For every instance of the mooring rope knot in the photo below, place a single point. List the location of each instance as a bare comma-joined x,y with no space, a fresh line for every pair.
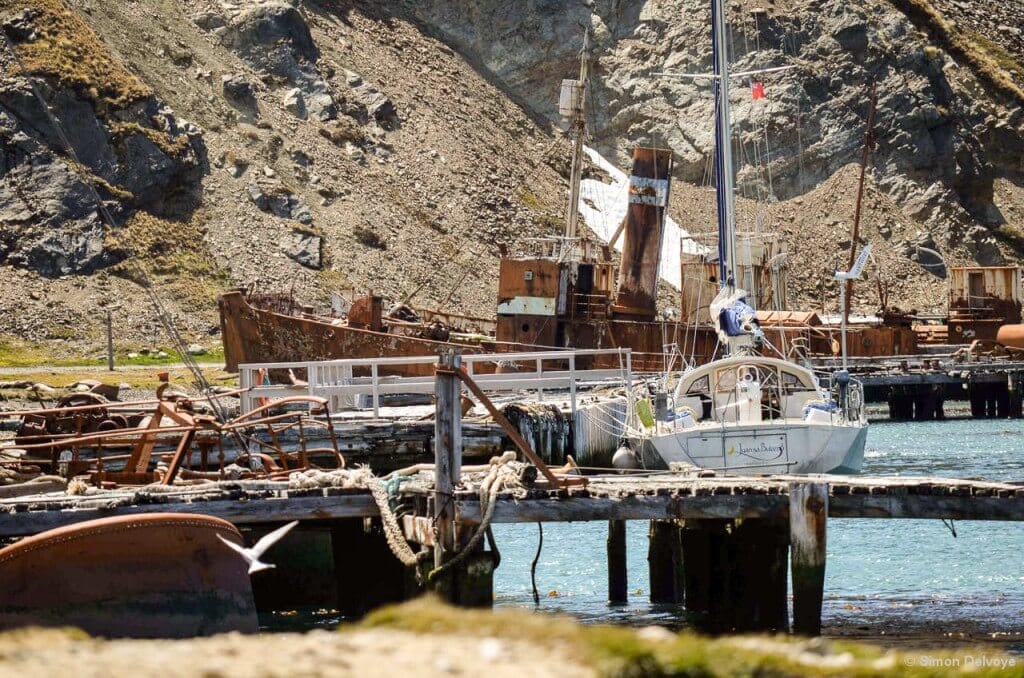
501,475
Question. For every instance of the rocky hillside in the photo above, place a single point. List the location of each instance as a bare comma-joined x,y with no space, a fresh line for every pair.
330,145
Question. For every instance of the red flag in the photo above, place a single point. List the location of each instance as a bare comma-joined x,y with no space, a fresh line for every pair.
757,90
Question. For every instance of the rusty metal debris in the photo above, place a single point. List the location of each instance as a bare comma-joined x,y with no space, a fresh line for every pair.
161,440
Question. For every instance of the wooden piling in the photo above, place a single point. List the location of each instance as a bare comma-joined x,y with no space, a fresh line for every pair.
808,510
617,573
367,574
665,562
759,583
447,453
303,574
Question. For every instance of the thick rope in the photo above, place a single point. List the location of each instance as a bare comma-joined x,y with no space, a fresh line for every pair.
392,531
362,477
498,478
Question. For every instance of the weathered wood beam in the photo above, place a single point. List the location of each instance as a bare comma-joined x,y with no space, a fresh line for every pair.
808,511
926,507
447,463
237,512
627,508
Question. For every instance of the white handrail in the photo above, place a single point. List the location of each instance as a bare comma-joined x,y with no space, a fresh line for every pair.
323,376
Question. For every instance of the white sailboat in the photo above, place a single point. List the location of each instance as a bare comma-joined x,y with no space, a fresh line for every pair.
746,413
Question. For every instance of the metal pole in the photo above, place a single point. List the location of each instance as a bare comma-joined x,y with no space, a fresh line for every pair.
842,304
110,340
579,130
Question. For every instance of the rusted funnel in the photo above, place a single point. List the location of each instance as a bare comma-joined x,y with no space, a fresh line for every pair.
161,575
649,186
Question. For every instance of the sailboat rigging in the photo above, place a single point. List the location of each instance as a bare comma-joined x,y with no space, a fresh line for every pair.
744,412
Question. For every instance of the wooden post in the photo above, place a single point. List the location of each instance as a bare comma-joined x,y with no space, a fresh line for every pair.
110,340
447,456
366,573
760,550
617,573
665,562
808,510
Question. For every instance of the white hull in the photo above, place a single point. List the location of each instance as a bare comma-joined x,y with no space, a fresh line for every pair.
778,447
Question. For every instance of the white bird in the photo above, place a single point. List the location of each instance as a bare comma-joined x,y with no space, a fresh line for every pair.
252,555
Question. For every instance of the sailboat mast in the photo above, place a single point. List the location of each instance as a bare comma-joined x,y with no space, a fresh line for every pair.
579,128
725,178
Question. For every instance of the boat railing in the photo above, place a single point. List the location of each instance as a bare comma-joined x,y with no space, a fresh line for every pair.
342,384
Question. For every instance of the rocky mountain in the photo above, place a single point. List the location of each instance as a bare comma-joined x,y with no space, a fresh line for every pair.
329,144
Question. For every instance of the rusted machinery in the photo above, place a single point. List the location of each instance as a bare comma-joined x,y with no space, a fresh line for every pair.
151,441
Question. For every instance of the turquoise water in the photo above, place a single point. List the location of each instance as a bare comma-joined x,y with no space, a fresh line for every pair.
883,577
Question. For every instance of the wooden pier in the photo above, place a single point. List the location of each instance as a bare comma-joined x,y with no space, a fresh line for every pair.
917,387
720,547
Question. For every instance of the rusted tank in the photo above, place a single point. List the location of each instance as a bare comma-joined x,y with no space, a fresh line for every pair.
159,575
649,185
1011,336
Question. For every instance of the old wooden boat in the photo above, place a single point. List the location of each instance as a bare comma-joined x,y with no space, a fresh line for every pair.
153,575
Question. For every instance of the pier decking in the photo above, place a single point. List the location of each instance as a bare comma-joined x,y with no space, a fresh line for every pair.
664,496
720,546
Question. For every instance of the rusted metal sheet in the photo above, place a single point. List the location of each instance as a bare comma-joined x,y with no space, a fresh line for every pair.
980,299
645,219
157,575
537,278
367,313
862,342
518,331
788,318
1011,336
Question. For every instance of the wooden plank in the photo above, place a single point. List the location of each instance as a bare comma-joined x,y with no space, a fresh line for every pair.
237,512
808,511
627,508
919,506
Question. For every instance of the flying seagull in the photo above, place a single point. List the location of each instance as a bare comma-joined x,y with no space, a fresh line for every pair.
252,555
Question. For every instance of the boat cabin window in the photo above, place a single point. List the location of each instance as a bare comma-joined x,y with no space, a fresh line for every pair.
699,386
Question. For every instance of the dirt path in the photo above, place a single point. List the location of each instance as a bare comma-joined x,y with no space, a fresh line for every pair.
366,653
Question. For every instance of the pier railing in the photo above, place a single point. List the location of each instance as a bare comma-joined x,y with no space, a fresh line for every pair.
337,380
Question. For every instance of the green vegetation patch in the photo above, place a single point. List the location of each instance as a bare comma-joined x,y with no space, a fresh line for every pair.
16,352
988,64
172,253
68,51
1004,59
619,651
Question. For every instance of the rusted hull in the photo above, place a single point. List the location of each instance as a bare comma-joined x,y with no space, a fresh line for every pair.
253,335
157,575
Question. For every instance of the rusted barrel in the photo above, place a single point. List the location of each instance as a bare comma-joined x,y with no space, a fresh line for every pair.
1011,336
163,575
